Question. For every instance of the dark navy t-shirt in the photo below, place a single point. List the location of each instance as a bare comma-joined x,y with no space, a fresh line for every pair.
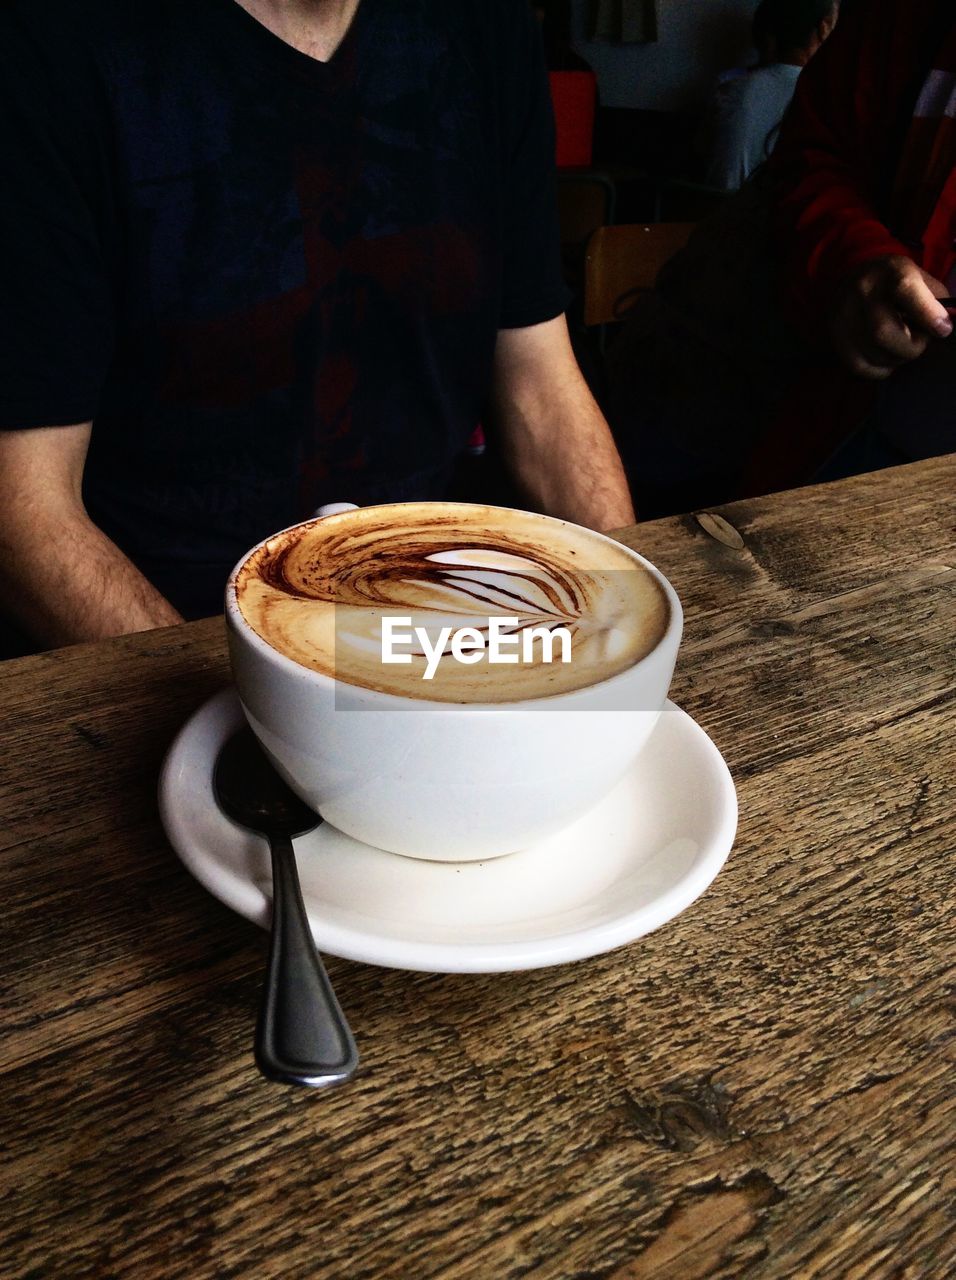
270,282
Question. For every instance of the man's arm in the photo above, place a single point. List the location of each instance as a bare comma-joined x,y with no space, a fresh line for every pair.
554,438
838,149
61,578
837,152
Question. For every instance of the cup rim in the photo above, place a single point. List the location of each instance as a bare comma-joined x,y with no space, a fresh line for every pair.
235,618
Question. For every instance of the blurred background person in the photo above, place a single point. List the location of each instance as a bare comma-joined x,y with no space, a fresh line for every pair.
741,124
865,180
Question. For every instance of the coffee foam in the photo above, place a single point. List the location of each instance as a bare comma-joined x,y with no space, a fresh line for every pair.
318,593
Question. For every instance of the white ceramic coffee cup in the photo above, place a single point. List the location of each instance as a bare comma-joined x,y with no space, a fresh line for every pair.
440,780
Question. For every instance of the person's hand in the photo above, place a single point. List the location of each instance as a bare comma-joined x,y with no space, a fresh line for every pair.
886,315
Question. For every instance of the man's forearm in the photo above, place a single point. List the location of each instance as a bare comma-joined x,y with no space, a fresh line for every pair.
566,463
560,452
64,581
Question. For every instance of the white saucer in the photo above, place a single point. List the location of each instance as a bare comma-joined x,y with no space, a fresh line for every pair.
632,863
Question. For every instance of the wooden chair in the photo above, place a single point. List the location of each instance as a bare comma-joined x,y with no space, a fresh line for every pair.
621,261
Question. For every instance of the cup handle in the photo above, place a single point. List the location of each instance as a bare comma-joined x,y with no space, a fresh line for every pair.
333,508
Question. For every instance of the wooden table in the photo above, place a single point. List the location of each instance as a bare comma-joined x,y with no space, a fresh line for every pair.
764,1087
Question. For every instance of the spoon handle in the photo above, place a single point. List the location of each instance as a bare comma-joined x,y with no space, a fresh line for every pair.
301,1036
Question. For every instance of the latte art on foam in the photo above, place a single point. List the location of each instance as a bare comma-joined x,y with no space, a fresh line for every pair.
318,594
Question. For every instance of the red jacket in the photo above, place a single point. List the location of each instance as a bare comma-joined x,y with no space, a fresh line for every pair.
841,144
837,171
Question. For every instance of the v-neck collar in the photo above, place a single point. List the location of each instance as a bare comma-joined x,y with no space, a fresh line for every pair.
272,49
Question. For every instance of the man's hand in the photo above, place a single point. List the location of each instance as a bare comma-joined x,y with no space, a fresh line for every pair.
554,437
886,315
61,578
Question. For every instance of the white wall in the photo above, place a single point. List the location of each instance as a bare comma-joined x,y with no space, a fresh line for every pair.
696,39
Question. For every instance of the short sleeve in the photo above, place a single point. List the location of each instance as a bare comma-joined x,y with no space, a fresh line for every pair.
56,321
533,288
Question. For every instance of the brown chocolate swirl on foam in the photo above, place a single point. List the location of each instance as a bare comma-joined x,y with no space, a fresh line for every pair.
319,593
384,580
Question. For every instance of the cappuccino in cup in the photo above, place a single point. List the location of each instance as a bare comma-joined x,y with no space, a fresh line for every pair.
446,680
321,592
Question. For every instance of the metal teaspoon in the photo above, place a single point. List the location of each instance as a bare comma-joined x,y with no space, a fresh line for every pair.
302,1036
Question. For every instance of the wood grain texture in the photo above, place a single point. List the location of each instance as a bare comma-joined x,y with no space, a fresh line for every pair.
762,1088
